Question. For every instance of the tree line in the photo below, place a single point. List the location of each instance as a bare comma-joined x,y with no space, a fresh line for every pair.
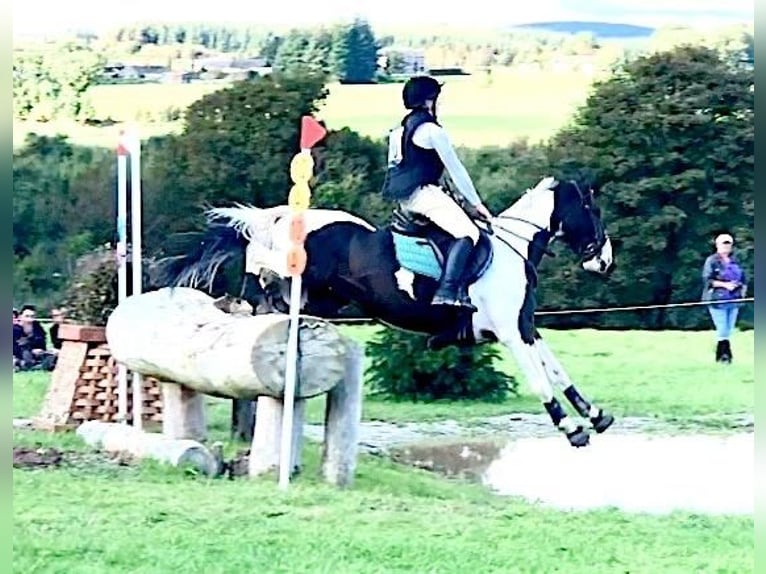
51,82
668,137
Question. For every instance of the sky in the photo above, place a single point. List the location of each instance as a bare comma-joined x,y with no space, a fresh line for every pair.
50,16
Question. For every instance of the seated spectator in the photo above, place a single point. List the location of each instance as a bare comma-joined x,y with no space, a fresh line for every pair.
29,342
16,350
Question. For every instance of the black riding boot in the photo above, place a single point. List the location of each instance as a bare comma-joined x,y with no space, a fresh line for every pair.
718,351
452,291
726,355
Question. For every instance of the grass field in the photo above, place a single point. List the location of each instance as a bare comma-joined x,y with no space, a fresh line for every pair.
478,110
95,516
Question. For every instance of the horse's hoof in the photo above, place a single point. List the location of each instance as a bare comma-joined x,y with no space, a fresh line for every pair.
602,422
578,437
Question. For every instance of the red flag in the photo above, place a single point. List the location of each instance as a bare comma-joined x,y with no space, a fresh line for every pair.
311,132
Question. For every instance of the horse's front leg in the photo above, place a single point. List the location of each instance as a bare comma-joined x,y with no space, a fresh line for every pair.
599,418
528,359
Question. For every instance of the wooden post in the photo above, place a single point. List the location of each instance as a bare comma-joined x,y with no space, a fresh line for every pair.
266,446
183,413
342,419
242,420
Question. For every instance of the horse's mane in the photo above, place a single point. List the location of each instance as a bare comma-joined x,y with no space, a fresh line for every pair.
524,202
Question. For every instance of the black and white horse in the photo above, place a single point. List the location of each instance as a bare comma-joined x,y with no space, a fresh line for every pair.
391,274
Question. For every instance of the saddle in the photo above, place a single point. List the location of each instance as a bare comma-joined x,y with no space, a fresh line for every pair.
421,247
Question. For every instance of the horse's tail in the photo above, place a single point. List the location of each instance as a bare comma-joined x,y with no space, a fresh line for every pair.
254,223
200,258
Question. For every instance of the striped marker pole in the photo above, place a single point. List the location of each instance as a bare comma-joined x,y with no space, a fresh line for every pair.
129,147
122,271
301,171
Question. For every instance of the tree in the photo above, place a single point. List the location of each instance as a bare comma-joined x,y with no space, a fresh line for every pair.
304,51
349,175
59,211
354,56
670,138
51,83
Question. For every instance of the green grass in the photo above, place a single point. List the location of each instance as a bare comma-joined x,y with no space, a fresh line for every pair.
96,516
668,374
96,520
477,110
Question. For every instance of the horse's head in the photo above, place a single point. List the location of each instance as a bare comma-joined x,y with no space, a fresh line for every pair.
576,220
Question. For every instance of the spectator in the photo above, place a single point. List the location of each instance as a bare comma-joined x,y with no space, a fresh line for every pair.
29,342
16,350
724,280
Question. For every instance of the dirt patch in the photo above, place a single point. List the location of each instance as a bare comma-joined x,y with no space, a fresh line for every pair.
26,457
41,458
463,458
238,466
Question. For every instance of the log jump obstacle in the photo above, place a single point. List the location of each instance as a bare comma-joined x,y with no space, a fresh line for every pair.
181,338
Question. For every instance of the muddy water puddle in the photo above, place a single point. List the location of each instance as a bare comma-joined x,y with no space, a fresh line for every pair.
705,473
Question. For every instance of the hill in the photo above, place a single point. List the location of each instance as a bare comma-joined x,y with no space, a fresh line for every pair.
598,29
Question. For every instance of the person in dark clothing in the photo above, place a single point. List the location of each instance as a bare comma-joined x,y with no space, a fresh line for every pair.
29,345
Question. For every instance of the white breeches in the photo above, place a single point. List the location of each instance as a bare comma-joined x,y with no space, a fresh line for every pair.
432,202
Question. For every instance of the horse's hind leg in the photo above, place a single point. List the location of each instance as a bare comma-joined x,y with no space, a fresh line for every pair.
599,418
528,359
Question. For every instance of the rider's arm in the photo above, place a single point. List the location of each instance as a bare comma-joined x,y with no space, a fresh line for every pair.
432,136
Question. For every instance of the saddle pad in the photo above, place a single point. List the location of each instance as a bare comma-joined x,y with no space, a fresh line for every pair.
415,254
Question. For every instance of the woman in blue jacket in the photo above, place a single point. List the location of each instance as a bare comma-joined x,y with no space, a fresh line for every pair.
724,281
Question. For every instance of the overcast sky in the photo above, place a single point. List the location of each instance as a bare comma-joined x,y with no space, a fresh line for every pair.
49,16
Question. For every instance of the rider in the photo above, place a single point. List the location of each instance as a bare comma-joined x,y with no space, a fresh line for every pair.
419,152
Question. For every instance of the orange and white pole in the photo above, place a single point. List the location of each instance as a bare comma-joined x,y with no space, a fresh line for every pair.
301,171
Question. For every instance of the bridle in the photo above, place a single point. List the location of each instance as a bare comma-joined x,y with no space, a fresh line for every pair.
586,252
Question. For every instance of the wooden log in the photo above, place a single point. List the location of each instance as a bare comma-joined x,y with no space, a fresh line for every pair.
179,335
119,438
343,415
265,451
183,413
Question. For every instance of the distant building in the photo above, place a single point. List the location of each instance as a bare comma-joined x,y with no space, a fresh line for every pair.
402,60
230,65
118,71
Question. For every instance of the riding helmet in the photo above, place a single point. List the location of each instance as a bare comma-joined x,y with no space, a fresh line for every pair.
418,89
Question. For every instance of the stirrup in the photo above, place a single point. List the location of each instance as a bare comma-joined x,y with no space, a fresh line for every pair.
454,301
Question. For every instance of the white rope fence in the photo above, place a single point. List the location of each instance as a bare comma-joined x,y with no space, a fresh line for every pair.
570,311
642,307
593,309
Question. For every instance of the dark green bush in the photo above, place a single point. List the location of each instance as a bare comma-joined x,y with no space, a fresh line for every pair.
404,368
92,294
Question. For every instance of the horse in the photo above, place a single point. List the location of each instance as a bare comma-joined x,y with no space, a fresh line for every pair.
391,273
